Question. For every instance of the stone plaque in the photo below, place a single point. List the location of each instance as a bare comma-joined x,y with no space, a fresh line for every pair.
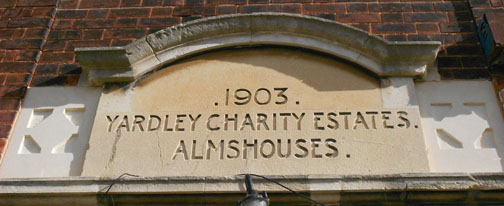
268,111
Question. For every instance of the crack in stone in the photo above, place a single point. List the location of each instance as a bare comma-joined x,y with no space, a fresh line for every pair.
114,149
159,149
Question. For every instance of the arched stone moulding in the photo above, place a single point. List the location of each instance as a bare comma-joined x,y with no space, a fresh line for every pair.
381,57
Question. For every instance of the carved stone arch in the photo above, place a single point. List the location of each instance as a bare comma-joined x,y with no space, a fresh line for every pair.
381,57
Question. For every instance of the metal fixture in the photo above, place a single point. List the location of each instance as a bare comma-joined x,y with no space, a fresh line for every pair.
253,198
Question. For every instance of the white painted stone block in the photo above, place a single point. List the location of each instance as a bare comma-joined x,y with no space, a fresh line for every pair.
52,132
463,126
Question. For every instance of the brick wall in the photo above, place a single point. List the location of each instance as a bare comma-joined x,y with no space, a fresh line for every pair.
37,37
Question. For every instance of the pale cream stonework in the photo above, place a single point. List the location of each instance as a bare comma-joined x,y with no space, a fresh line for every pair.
132,133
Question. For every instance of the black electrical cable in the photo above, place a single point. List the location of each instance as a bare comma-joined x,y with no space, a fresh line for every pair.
112,184
285,187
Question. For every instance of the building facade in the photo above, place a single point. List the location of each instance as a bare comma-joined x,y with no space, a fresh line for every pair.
134,102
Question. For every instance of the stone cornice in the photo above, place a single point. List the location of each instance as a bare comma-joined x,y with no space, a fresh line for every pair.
234,184
381,57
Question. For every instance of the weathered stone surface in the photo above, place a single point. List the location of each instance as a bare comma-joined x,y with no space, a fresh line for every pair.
51,133
235,111
384,58
463,126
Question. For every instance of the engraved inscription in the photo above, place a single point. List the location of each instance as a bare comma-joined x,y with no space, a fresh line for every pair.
200,135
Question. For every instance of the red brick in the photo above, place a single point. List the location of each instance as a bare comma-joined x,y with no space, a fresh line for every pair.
389,7
195,2
2,79
425,17
292,8
7,3
36,3
423,6
18,34
259,8
6,33
187,11
291,1
126,22
36,33
63,24
427,28
419,37
61,57
28,55
323,8
443,38
357,7
29,22
94,23
152,2
54,46
209,11
231,2
10,91
9,56
71,45
130,3
17,79
98,13
162,12
3,23
358,18
72,34
124,33
3,145
458,16
92,34
159,22
26,12
16,67
226,9
4,131
457,27
393,28
480,3
9,104
133,12
173,2
99,4
43,12
68,4
71,14
450,6
46,69
22,44
392,17
496,3
7,117
14,12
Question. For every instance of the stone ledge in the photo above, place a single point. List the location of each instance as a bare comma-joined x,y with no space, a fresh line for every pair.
381,57
234,184
394,189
